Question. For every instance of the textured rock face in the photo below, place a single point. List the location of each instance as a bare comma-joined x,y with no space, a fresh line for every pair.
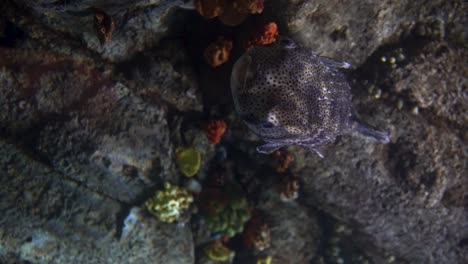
352,30
295,237
140,24
49,218
88,132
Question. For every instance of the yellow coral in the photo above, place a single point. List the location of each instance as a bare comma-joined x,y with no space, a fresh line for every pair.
218,252
265,260
168,204
188,159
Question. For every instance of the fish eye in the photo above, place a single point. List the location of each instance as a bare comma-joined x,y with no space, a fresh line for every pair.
267,125
287,43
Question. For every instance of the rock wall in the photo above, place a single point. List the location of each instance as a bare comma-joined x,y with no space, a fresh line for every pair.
89,131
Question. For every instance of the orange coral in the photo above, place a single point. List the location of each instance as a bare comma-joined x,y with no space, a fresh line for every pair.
215,130
210,8
249,6
266,35
218,52
281,160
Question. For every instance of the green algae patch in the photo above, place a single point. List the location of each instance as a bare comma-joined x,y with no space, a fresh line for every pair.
188,159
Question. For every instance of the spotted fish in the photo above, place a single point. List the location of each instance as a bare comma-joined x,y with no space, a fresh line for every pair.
288,95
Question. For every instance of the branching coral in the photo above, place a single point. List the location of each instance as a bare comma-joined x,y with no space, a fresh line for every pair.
218,252
215,130
188,159
169,204
265,35
217,53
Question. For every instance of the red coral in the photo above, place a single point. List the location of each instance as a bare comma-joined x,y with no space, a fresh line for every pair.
215,130
257,233
265,35
281,160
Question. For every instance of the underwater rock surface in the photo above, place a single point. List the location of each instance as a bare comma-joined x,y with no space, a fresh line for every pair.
89,132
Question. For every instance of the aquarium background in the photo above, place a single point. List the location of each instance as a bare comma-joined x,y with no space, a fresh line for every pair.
119,142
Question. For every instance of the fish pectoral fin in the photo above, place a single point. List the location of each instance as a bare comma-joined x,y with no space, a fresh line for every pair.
316,151
332,63
368,131
373,133
269,147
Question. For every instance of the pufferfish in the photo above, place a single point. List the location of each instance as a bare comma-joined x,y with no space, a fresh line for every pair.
289,95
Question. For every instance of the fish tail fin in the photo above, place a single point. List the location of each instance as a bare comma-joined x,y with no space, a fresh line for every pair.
373,133
370,132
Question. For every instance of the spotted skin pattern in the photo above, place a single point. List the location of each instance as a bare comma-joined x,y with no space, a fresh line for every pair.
289,95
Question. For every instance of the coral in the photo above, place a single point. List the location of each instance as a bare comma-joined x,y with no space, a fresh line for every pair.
264,35
289,189
188,159
232,17
218,252
104,25
257,233
226,211
248,6
281,160
215,130
218,52
231,12
264,260
169,204
210,8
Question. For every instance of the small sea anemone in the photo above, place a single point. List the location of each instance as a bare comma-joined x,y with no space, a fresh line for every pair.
169,204
264,35
217,53
281,160
104,25
289,188
216,251
188,159
215,130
